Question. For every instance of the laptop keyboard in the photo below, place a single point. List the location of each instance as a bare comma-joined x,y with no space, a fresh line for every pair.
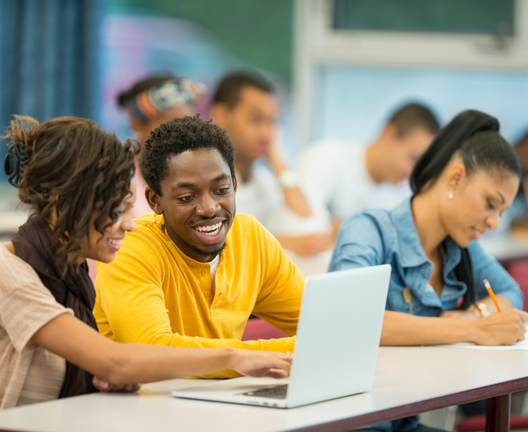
277,392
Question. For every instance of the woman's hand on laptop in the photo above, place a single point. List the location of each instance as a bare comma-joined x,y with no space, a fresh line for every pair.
262,363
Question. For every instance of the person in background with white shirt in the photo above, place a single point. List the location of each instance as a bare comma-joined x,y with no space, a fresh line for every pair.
348,178
245,105
149,103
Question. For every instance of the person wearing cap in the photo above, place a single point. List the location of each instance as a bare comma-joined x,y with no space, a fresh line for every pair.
149,103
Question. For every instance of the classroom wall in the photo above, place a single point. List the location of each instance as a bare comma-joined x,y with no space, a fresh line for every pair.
256,32
201,42
352,103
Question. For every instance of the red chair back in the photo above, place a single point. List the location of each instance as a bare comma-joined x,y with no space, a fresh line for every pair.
478,423
259,329
519,271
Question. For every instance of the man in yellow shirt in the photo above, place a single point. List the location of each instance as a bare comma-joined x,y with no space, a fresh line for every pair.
192,272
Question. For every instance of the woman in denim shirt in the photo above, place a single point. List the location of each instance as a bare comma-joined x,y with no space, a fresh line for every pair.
461,185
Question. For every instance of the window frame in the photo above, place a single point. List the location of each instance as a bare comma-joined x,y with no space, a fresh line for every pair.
317,44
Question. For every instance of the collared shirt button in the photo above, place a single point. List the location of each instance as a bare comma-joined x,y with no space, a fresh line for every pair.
207,293
204,272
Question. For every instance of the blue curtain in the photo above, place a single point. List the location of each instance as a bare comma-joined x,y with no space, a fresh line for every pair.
48,58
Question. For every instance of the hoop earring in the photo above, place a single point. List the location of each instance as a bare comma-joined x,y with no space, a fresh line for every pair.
450,195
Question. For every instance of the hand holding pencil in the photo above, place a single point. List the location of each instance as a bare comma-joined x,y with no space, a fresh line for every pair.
503,328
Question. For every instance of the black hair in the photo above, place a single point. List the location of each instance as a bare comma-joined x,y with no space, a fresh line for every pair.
475,137
176,136
230,87
414,116
141,86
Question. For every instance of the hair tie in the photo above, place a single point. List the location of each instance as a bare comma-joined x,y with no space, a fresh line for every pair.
14,163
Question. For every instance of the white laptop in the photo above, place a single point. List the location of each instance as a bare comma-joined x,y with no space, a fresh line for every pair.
338,337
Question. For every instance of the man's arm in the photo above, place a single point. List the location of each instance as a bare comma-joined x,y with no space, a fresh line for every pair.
294,199
131,300
306,245
279,298
293,196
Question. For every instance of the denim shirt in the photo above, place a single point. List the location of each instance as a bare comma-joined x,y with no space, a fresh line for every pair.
389,237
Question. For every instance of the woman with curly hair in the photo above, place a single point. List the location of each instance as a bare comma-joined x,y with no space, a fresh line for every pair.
79,183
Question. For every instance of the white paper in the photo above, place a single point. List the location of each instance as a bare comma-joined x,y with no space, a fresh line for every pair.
519,346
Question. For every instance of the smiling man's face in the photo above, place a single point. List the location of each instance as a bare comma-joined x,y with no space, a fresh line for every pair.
197,201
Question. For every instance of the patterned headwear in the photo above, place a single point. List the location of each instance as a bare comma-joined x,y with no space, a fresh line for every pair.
159,98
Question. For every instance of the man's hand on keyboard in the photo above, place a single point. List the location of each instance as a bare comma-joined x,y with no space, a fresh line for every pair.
261,363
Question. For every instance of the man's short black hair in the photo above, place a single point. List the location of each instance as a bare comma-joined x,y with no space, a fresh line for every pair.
414,116
177,136
230,87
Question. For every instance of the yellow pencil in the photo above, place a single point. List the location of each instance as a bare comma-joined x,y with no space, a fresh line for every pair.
491,294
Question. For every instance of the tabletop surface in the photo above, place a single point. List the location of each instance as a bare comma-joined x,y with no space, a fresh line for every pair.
508,247
405,377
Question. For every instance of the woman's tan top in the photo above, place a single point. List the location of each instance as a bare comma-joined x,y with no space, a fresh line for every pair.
28,373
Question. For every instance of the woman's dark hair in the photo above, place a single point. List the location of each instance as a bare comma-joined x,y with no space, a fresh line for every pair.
73,170
474,137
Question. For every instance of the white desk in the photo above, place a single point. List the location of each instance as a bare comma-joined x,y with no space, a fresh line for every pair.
408,381
507,248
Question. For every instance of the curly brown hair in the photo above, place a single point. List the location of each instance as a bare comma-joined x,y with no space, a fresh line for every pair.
74,171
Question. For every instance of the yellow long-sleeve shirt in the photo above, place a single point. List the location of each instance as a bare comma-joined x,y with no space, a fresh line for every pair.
153,293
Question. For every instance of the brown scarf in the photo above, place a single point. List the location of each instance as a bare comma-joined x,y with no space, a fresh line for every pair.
71,289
